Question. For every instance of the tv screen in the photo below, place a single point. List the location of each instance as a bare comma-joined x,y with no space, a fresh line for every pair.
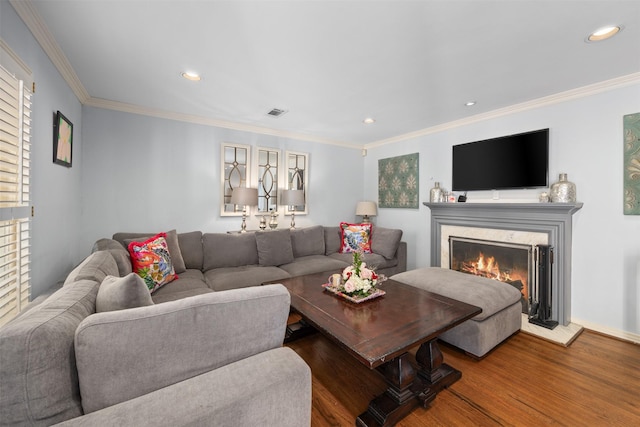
508,162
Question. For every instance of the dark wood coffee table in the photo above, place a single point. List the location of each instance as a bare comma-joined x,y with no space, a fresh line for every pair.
380,332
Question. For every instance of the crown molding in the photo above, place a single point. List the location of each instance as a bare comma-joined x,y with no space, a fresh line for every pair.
29,14
32,19
11,62
170,115
557,98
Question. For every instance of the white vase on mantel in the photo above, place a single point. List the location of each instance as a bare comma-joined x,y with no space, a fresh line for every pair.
563,191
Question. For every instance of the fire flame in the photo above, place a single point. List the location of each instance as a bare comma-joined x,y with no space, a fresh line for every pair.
489,267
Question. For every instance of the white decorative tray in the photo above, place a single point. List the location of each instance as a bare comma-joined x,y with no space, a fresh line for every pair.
357,299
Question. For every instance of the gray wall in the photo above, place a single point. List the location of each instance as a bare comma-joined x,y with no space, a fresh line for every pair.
586,142
55,190
144,174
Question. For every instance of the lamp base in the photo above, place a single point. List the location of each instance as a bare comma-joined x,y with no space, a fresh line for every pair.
243,227
365,219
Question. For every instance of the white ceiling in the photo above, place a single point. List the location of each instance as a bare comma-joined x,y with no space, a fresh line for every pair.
411,65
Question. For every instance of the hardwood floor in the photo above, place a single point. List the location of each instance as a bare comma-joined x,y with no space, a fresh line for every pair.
525,381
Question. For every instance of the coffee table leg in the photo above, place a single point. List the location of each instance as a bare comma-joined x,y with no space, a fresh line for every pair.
409,388
435,374
398,400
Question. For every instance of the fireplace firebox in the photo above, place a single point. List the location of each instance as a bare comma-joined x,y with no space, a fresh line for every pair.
507,262
523,266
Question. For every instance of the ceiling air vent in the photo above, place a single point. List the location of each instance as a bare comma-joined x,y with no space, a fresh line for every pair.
276,112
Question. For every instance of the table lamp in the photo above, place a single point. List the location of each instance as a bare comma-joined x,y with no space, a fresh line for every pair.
293,198
244,197
366,209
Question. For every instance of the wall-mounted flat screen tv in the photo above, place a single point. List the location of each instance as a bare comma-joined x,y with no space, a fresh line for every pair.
508,162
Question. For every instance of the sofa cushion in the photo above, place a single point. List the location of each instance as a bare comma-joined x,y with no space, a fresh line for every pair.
332,237
488,294
307,241
173,244
314,264
190,279
119,293
151,261
38,375
225,278
119,253
96,266
176,295
385,241
355,237
229,250
375,261
274,247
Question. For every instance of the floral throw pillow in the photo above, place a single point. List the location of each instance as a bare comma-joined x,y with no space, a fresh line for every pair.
151,261
355,237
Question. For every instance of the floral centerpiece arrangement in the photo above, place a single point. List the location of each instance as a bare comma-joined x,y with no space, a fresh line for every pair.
358,281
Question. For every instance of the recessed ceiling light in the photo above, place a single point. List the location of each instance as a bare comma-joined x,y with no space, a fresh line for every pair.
604,33
368,121
194,77
470,103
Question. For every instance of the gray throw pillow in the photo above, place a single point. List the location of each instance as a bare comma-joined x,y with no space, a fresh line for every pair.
385,241
119,293
274,247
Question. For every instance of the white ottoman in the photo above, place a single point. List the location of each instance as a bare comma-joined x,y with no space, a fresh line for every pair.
500,302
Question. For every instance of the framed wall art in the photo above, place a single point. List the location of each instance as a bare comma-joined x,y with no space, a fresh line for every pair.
62,140
631,124
297,170
235,167
398,182
268,171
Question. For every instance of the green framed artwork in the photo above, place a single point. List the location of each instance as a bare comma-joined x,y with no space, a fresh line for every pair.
632,164
398,183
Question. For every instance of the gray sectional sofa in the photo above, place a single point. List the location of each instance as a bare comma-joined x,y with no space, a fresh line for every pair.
189,354
221,261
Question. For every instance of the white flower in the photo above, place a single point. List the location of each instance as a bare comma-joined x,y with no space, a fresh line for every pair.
350,286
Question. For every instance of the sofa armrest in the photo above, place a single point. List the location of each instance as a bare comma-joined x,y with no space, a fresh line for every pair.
124,354
272,388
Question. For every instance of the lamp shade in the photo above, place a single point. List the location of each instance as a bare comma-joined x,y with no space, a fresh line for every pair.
367,208
293,197
244,196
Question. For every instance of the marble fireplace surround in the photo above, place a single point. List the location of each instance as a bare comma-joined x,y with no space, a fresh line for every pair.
505,221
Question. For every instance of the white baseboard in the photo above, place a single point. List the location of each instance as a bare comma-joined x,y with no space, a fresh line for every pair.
624,335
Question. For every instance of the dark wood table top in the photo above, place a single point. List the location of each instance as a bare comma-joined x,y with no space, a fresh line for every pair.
376,331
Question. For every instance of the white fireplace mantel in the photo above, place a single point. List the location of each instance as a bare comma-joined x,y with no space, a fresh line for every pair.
554,219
